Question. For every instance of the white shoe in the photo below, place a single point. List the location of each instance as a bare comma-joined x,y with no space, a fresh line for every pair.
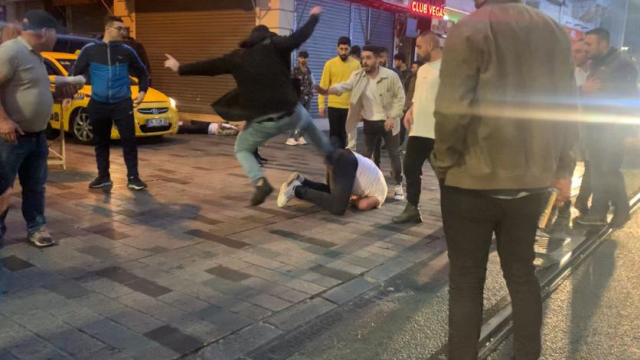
399,195
291,142
302,141
288,189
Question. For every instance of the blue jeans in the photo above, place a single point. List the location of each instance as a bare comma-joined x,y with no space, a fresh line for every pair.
257,133
296,133
28,160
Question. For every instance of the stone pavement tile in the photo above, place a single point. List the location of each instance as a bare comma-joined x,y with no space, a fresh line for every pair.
148,288
345,266
389,269
6,356
99,304
234,264
345,292
249,311
75,342
135,320
334,273
222,318
228,273
268,302
300,313
200,329
174,339
301,285
229,287
30,347
68,289
122,338
422,252
238,344
293,296
153,307
260,261
287,234
158,352
14,263
318,242
83,319
108,288
215,238
382,251
264,252
117,274
106,353
366,263
37,298
183,302
331,254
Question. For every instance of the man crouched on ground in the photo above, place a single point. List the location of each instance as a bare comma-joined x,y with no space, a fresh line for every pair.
352,178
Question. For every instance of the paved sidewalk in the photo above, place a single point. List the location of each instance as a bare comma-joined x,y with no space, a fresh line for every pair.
159,274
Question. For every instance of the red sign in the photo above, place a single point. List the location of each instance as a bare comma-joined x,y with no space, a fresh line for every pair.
434,11
574,34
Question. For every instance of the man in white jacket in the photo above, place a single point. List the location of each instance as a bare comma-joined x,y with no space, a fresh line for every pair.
377,96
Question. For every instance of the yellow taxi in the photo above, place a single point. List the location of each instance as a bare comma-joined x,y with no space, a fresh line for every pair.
156,116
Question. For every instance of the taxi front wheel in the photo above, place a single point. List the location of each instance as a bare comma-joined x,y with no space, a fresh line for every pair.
80,126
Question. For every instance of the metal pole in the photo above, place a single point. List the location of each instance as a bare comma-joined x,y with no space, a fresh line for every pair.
624,23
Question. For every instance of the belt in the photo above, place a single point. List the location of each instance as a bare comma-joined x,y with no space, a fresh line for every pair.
274,118
32,134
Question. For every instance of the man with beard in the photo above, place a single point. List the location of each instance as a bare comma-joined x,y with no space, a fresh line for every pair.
378,98
265,97
336,71
420,122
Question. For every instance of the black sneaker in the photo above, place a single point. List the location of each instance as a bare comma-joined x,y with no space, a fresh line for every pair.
100,182
41,238
263,190
136,184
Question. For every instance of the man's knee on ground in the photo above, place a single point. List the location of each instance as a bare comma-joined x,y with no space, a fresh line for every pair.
339,208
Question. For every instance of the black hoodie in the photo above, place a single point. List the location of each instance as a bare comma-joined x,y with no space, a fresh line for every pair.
261,68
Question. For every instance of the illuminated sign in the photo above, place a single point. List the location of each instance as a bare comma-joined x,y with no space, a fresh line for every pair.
434,11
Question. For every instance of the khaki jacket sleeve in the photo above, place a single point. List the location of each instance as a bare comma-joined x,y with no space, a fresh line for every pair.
344,87
399,97
459,77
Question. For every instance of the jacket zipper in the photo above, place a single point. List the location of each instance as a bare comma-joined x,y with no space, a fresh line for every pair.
109,66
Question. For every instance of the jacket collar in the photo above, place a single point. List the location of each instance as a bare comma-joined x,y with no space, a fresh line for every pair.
606,58
383,74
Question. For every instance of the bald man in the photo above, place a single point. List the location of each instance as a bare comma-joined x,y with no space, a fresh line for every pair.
420,123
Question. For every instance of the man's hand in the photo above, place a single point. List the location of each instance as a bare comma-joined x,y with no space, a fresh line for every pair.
389,124
563,186
591,86
171,63
408,119
322,112
321,90
66,91
9,131
138,100
66,103
316,11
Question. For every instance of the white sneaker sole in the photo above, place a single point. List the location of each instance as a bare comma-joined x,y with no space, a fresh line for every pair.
99,186
283,199
134,187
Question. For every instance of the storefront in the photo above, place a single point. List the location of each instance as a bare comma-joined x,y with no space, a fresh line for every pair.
192,31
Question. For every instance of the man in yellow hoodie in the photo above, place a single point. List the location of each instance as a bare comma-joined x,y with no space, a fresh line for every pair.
336,71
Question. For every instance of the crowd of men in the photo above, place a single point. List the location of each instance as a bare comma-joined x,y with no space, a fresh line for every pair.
483,110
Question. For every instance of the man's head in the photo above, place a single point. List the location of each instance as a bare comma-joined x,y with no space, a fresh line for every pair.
344,45
415,66
426,44
400,61
597,43
39,30
355,53
479,3
303,56
114,28
371,57
383,59
579,52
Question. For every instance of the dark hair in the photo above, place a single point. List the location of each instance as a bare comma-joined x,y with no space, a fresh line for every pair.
356,51
109,19
602,34
344,40
400,57
303,54
417,62
384,50
376,50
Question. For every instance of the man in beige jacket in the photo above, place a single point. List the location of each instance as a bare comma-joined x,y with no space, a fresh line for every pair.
377,96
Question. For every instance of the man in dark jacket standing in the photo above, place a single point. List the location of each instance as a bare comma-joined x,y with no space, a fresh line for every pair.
612,79
266,96
109,63
500,142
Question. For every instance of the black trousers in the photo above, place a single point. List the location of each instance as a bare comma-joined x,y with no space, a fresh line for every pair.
373,131
334,196
338,124
418,151
605,147
470,219
103,116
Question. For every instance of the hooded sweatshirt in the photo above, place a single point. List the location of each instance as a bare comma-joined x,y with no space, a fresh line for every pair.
261,68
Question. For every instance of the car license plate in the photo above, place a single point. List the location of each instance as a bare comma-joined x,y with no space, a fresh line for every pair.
157,122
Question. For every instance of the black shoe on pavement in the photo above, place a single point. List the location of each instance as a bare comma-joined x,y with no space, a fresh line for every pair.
136,184
100,182
41,238
263,190
411,214
592,220
619,221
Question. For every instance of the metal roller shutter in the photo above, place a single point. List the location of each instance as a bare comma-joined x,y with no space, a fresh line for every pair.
192,36
359,24
334,23
381,29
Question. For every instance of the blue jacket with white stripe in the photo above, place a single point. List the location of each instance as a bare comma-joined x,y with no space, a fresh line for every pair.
109,66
